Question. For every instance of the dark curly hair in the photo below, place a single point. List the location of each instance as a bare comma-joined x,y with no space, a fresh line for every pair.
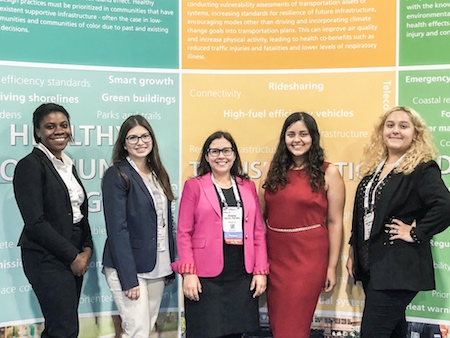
282,159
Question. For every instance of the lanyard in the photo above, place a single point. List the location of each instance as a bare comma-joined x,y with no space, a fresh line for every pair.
222,196
370,202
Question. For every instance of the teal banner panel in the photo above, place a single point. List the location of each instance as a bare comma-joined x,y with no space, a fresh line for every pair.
98,102
128,33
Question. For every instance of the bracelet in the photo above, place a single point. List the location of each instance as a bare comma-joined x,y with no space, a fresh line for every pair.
414,236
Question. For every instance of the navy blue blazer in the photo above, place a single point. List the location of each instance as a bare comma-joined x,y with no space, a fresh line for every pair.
131,224
420,196
44,203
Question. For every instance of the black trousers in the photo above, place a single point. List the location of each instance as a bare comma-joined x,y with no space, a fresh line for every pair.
57,289
58,292
384,312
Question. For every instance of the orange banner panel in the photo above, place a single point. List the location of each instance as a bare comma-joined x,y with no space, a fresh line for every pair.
293,34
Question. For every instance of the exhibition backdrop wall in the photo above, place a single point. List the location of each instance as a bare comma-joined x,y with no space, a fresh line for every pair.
192,67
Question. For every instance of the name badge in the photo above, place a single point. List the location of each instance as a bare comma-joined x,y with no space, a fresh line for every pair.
161,243
368,221
232,225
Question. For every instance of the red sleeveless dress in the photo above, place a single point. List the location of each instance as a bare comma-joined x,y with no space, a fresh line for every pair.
297,245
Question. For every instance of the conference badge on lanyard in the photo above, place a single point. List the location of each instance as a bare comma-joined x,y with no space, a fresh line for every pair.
369,199
231,216
368,221
232,225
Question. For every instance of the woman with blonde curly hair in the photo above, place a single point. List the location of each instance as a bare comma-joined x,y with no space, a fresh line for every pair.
400,204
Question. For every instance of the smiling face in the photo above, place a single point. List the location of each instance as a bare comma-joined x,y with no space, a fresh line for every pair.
298,140
220,165
398,132
54,132
141,149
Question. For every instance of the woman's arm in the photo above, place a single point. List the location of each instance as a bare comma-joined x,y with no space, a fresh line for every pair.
261,190
436,199
261,260
86,228
186,226
351,262
336,201
114,193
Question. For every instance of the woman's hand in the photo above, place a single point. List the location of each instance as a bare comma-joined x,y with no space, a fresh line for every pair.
350,263
259,284
133,293
330,281
192,286
79,266
399,230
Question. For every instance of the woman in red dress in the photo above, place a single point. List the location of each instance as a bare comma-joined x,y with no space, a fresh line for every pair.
303,201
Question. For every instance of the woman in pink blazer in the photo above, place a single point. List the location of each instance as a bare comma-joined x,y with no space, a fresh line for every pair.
221,244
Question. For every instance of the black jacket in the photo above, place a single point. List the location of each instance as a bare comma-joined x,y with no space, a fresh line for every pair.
420,196
45,206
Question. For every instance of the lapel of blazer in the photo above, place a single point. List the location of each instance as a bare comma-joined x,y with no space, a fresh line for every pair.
46,162
210,192
384,205
135,177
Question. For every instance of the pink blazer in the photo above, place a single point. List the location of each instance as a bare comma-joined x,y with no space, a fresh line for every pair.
200,235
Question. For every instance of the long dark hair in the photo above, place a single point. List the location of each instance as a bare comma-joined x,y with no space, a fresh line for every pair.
42,111
282,160
153,159
203,165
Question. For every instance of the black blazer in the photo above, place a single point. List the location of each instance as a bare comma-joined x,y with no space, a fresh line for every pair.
131,224
44,204
420,196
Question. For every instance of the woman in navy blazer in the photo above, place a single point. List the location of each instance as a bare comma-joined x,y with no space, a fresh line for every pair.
400,204
56,241
137,198
224,263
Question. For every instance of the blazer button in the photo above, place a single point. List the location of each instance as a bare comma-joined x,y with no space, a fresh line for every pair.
246,219
384,243
246,236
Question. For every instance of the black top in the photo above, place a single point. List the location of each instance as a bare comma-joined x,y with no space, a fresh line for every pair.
233,254
398,265
363,252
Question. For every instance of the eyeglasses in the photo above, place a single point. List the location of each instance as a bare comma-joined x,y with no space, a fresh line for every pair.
214,152
133,139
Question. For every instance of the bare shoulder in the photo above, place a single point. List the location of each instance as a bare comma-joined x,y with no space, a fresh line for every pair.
332,170
333,176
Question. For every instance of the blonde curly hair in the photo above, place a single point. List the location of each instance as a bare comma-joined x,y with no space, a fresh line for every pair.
422,148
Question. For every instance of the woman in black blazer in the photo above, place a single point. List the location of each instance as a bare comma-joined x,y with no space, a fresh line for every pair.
399,205
137,198
56,242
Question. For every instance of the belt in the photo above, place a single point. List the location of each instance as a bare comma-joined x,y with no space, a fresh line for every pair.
294,229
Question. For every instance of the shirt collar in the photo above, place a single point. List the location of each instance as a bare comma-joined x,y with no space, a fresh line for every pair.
65,161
